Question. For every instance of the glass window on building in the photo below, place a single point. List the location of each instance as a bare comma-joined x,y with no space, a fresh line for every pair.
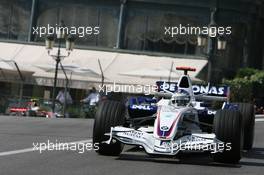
145,31
14,19
80,15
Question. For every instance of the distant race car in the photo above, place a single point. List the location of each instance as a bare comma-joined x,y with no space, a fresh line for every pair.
34,108
181,118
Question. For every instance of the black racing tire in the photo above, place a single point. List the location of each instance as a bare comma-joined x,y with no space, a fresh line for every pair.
109,114
248,114
228,129
30,114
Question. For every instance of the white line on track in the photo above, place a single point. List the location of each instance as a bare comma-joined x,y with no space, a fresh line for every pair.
7,153
259,115
259,119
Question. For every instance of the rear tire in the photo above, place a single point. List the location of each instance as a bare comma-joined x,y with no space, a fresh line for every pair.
109,114
248,116
30,114
228,129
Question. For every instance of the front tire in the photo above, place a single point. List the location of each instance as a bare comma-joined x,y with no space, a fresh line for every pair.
228,129
248,116
109,114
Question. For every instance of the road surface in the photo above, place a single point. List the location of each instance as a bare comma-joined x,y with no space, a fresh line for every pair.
17,135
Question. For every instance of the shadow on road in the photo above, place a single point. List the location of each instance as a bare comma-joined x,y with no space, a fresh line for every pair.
202,159
254,157
190,159
255,153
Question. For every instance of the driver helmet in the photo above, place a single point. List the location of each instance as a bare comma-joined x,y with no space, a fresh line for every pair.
181,98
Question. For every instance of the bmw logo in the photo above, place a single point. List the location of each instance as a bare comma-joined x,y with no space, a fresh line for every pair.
164,128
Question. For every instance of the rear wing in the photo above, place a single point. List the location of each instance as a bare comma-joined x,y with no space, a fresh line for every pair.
201,92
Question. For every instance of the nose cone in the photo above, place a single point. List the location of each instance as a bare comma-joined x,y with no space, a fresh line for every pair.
166,122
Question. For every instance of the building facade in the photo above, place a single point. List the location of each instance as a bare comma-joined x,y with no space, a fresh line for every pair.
137,26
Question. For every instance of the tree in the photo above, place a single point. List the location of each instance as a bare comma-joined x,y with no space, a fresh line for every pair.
247,85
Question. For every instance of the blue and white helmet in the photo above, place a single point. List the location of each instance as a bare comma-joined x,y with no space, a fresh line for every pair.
181,98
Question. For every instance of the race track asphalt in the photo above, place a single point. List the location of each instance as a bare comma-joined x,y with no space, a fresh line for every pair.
17,135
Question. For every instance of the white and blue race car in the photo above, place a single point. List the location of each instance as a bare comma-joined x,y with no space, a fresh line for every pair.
180,121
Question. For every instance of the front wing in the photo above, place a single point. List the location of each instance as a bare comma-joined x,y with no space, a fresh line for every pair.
189,143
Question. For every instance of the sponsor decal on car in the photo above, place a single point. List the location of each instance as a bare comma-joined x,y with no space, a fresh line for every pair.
142,107
197,89
169,86
211,112
135,134
195,139
164,128
212,90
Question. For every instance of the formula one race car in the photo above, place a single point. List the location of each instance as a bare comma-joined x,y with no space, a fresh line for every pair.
182,122
34,108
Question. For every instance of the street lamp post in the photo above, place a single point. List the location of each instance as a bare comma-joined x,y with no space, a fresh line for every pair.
210,40
211,45
50,39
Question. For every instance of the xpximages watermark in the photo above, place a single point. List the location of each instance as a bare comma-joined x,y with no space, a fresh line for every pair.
196,144
140,89
212,31
79,147
80,31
